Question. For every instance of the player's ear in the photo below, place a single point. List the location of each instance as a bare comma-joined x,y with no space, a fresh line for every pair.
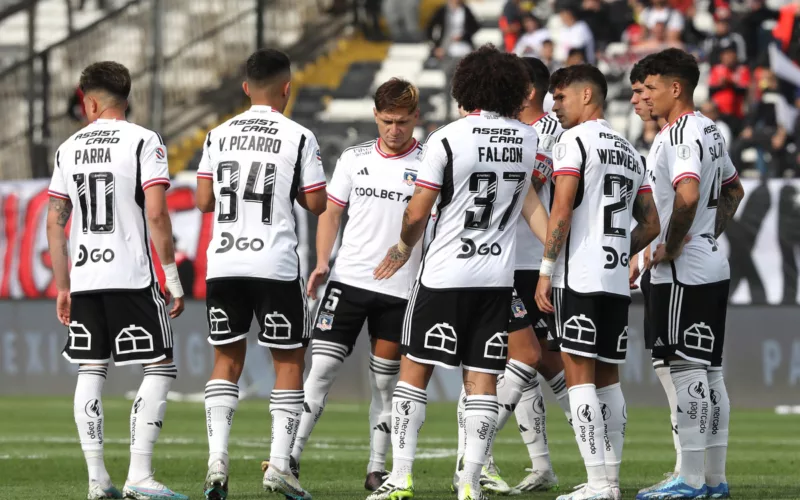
416,114
246,89
287,89
587,94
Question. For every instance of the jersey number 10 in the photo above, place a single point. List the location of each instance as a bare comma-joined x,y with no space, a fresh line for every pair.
250,194
89,207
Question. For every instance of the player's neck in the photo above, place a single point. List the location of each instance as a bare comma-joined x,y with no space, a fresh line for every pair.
531,115
270,103
592,113
680,109
389,151
661,122
111,114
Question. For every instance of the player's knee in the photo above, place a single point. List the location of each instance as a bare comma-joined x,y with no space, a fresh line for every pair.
523,347
606,374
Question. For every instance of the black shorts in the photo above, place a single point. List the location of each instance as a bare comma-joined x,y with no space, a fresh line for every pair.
133,326
525,282
689,321
344,308
458,327
592,326
280,307
647,289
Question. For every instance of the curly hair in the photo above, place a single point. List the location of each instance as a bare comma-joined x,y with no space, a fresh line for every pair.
677,64
579,73
491,80
108,76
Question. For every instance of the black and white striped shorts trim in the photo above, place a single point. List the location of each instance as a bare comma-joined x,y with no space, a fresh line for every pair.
163,317
286,398
658,363
481,405
560,385
217,389
170,371
673,320
306,316
100,371
519,372
384,367
411,394
406,338
558,297
330,349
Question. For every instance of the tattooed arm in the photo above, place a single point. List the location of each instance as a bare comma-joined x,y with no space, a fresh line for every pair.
687,195
648,227
729,198
58,214
414,220
560,215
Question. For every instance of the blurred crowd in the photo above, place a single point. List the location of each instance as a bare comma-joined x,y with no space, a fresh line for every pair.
752,90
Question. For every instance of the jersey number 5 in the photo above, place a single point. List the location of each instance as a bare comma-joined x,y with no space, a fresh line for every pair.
102,222
479,219
231,214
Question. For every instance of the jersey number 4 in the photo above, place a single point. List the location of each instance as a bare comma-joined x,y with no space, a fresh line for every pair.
103,221
480,218
231,213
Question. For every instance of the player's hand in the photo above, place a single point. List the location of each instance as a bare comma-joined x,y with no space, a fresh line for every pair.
648,257
317,278
394,260
63,304
177,308
661,254
544,289
633,272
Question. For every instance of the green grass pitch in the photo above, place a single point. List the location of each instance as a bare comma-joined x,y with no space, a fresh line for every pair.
41,458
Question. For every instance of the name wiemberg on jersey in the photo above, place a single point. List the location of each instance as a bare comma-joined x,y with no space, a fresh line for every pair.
500,153
621,155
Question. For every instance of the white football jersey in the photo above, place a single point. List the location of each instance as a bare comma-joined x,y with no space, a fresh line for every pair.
529,248
376,189
259,161
481,164
594,258
103,170
692,147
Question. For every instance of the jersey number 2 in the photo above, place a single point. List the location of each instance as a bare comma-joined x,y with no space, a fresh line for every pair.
480,219
625,187
89,201
250,195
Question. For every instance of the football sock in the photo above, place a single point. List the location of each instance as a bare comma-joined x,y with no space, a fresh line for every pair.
615,416
462,432
558,385
691,387
587,421
147,418
286,407
408,415
88,411
510,385
480,420
222,399
383,375
662,371
717,437
327,359
532,421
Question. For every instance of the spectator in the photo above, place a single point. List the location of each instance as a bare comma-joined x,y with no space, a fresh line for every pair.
660,12
755,37
511,24
728,84
372,25
547,55
656,40
597,16
785,31
451,30
575,34
649,132
723,37
709,109
575,56
402,17
530,43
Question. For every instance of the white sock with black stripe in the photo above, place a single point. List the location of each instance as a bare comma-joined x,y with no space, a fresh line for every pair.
558,384
532,420
88,412
383,375
408,416
480,420
286,407
462,431
510,385
662,372
222,399
147,418
587,421
691,387
327,359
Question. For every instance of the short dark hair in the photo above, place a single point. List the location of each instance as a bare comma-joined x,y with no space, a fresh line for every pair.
491,80
579,73
539,75
107,76
396,94
639,70
677,64
265,65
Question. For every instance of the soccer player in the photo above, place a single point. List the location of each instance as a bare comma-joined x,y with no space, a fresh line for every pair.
697,191
254,167
115,175
600,184
375,181
458,314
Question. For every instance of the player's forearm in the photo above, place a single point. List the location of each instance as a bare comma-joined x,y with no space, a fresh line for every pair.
729,200
535,215
413,227
327,231
641,236
683,212
57,217
161,234
557,231
648,225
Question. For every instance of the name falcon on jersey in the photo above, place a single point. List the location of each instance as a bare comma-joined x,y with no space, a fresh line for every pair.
499,136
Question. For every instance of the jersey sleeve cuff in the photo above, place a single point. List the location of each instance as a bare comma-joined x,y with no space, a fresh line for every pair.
428,185
730,179
56,194
336,200
155,182
645,189
205,175
313,187
685,175
567,171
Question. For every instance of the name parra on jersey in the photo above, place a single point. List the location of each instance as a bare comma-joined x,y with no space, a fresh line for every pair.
594,258
529,248
259,161
376,188
692,148
104,170
482,165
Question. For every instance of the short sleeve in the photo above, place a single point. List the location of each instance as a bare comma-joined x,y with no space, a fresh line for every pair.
685,154
543,167
341,184
153,159
433,161
567,157
312,175
729,173
206,169
58,186
645,187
